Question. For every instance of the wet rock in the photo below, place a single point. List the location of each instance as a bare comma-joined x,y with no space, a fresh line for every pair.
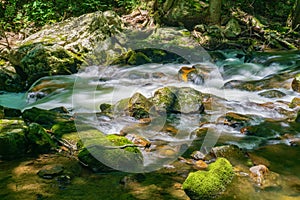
139,106
295,102
257,173
198,155
281,80
231,152
9,112
13,142
58,49
50,171
109,153
209,184
265,129
43,117
39,140
272,94
106,108
138,140
235,120
190,74
200,165
60,109
9,80
61,128
178,100
36,61
296,83
164,99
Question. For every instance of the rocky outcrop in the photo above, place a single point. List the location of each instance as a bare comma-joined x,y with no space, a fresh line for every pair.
61,48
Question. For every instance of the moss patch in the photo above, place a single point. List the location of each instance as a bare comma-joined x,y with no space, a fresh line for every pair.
209,184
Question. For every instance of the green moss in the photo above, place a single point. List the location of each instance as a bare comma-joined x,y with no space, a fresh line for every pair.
63,127
43,117
138,58
39,140
164,99
13,143
209,184
102,153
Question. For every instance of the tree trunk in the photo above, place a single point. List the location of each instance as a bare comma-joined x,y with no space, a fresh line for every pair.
215,11
296,14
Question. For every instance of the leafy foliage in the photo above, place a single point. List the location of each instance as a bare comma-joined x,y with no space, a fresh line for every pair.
19,14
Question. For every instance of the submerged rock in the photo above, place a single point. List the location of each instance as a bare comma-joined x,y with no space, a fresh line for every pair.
190,74
231,152
211,183
235,120
272,94
257,173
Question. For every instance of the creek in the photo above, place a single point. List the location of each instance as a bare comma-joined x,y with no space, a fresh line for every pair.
256,86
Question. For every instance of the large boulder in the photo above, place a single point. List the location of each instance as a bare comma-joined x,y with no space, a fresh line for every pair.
61,47
108,153
209,184
38,139
178,13
13,143
178,100
46,118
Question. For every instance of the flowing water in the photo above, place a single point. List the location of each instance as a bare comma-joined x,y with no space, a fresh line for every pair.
83,92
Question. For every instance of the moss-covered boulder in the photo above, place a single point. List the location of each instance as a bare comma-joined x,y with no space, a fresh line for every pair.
38,60
164,99
296,83
61,48
46,118
188,100
139,106
211,183
63,128
106,153
178,100
13,143
295,102
9,80
6,112
180,13
38,139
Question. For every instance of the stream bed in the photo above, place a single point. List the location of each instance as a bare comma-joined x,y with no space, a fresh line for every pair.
247,104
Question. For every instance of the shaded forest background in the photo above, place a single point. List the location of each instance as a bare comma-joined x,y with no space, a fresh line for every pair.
16,15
